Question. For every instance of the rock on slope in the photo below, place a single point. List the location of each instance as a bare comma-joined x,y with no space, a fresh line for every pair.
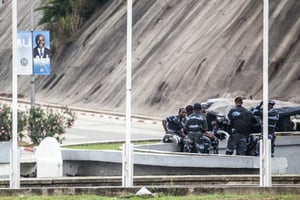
183,52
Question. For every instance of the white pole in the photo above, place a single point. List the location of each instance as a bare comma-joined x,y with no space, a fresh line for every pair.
265,156
127,172
15,172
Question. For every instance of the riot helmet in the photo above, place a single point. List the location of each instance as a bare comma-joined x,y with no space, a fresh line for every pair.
271,102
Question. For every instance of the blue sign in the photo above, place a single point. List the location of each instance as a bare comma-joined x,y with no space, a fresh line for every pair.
41,52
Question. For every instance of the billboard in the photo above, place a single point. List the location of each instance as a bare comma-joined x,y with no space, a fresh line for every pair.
33,53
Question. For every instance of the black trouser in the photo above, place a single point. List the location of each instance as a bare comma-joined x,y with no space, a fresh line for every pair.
197,143
237,142
271,137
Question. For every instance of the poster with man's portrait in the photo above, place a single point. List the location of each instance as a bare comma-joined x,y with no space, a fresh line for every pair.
41,52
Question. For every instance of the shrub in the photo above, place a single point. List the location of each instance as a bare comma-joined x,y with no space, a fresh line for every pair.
37,123
6,123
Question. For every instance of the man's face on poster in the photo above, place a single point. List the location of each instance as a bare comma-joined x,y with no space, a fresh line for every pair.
41,41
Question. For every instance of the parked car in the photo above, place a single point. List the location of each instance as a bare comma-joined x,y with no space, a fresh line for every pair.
289,118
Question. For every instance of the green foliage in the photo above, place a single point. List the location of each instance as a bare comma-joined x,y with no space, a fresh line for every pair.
22,123
37,123
64,18
6,122
42,124
107,146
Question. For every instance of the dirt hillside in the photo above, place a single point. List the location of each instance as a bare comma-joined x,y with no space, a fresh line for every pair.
183,52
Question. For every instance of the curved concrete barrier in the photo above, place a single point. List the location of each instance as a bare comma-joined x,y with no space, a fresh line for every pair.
109,163
5,149
164,159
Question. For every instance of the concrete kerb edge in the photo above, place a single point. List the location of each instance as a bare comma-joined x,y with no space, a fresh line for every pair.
155,190
110,142
99,113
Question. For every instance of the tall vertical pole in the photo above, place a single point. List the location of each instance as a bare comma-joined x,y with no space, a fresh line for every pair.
31,15
265,156
32,82
127,172
15,165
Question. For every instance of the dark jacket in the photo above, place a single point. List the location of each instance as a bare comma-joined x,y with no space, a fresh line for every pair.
196,124
273,116
239,119
46,53
175,124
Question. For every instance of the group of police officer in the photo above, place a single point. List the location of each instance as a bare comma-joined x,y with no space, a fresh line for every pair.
189,129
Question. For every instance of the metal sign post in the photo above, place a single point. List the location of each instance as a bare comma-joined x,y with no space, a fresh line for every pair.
265,156
15,165
127,172
32,82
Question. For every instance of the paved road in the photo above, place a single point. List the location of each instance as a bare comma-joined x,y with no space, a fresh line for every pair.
92,126
88,128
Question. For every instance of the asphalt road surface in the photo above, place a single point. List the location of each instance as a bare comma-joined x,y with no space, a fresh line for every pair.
100,128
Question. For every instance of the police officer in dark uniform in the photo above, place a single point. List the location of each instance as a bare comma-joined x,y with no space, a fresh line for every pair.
173,127
273,116
189,110
195,127
239,120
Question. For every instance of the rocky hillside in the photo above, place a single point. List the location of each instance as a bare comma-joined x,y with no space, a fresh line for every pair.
183,52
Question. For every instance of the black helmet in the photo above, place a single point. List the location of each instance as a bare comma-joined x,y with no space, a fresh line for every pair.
271,102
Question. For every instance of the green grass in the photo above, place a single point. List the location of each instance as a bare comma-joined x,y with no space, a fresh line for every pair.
190,197
107,146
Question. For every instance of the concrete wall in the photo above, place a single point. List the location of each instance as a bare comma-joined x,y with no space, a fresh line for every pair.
165,158
285,146
5,148
170,51
108,163
27,161
289,146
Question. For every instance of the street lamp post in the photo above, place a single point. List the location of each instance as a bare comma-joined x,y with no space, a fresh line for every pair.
32,82
127,165
14,161
265,145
